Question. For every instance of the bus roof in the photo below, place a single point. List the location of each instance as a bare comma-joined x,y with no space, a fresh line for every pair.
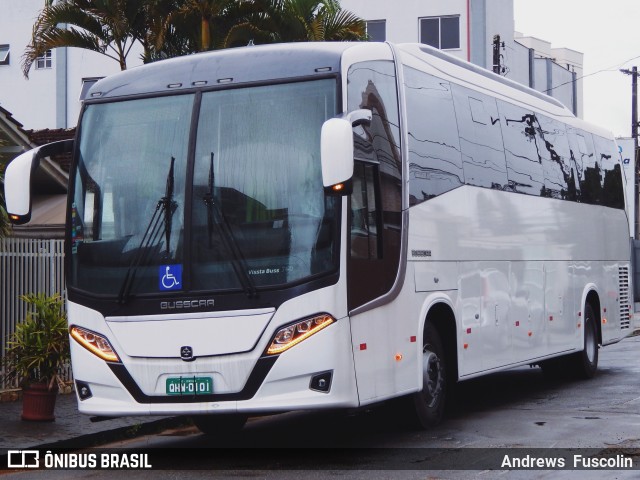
229,66
236,66
450,67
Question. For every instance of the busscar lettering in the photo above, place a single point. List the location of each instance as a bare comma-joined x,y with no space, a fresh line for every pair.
187,304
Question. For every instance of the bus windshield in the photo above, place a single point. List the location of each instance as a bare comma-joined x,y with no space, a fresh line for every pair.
247,212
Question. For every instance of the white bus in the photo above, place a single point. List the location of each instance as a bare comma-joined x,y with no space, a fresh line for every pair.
311,226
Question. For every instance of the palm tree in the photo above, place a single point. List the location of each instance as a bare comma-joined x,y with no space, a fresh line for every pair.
163,38
198,16
169,28
298,21
342,25
109,27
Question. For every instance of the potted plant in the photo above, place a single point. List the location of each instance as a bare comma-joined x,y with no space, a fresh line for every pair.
36,353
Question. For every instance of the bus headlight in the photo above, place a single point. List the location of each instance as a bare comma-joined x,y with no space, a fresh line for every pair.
95,343
291,335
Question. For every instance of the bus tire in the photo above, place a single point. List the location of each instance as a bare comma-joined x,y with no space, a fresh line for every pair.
429,402
585,363
219,424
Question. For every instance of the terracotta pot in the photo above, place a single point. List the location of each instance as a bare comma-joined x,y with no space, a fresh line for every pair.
38,403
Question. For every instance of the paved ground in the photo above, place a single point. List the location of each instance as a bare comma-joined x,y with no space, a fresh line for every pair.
71,429
507,410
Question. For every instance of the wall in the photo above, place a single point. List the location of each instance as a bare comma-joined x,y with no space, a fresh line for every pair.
486,18
403,17
23,98
43,101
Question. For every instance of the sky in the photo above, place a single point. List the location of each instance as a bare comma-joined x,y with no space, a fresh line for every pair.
608,33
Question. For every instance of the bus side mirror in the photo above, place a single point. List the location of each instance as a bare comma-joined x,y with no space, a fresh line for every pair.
336,150
18,179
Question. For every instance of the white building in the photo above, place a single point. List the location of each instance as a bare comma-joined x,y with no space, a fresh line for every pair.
468,30
50,97
464,28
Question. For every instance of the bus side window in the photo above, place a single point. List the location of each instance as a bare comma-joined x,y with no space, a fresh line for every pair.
522,149
612,186
435,162
591,179
365,213
560,176
481,145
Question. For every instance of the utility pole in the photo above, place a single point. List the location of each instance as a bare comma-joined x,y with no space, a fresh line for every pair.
634,135
497,57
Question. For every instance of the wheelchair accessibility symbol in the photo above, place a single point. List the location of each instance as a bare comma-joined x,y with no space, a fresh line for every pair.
170,277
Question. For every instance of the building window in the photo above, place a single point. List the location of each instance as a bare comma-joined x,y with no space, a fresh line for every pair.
441,32
87,83
44,60
377,30
4,54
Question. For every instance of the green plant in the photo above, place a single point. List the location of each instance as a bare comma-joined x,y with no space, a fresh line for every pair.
4,219
39,347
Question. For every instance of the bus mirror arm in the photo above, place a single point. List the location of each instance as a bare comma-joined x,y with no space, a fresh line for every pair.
336,150
359,117
19,175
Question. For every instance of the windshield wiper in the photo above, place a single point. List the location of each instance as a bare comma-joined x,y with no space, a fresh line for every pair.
216,217
167,206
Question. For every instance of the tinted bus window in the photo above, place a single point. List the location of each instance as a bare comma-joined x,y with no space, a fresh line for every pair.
524,162
557,166
480,139
590,169
435,163
612,187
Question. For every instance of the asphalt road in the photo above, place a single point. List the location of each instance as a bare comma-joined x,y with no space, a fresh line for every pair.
517,409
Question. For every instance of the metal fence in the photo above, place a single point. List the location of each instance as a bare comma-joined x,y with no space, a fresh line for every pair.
26,266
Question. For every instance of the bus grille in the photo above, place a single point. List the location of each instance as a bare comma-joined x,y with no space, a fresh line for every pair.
623,298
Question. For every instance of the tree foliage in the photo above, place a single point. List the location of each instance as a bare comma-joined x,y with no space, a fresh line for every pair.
278,21
169,28
109,27
4,219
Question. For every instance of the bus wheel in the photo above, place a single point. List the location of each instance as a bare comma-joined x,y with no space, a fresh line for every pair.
430,401
219,424
585,363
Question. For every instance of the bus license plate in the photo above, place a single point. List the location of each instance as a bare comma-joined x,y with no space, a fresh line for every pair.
189,386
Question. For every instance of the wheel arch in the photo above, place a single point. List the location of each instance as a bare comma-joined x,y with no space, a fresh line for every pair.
440,313
592,298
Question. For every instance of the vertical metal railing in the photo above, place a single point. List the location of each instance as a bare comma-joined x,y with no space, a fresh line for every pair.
26,266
